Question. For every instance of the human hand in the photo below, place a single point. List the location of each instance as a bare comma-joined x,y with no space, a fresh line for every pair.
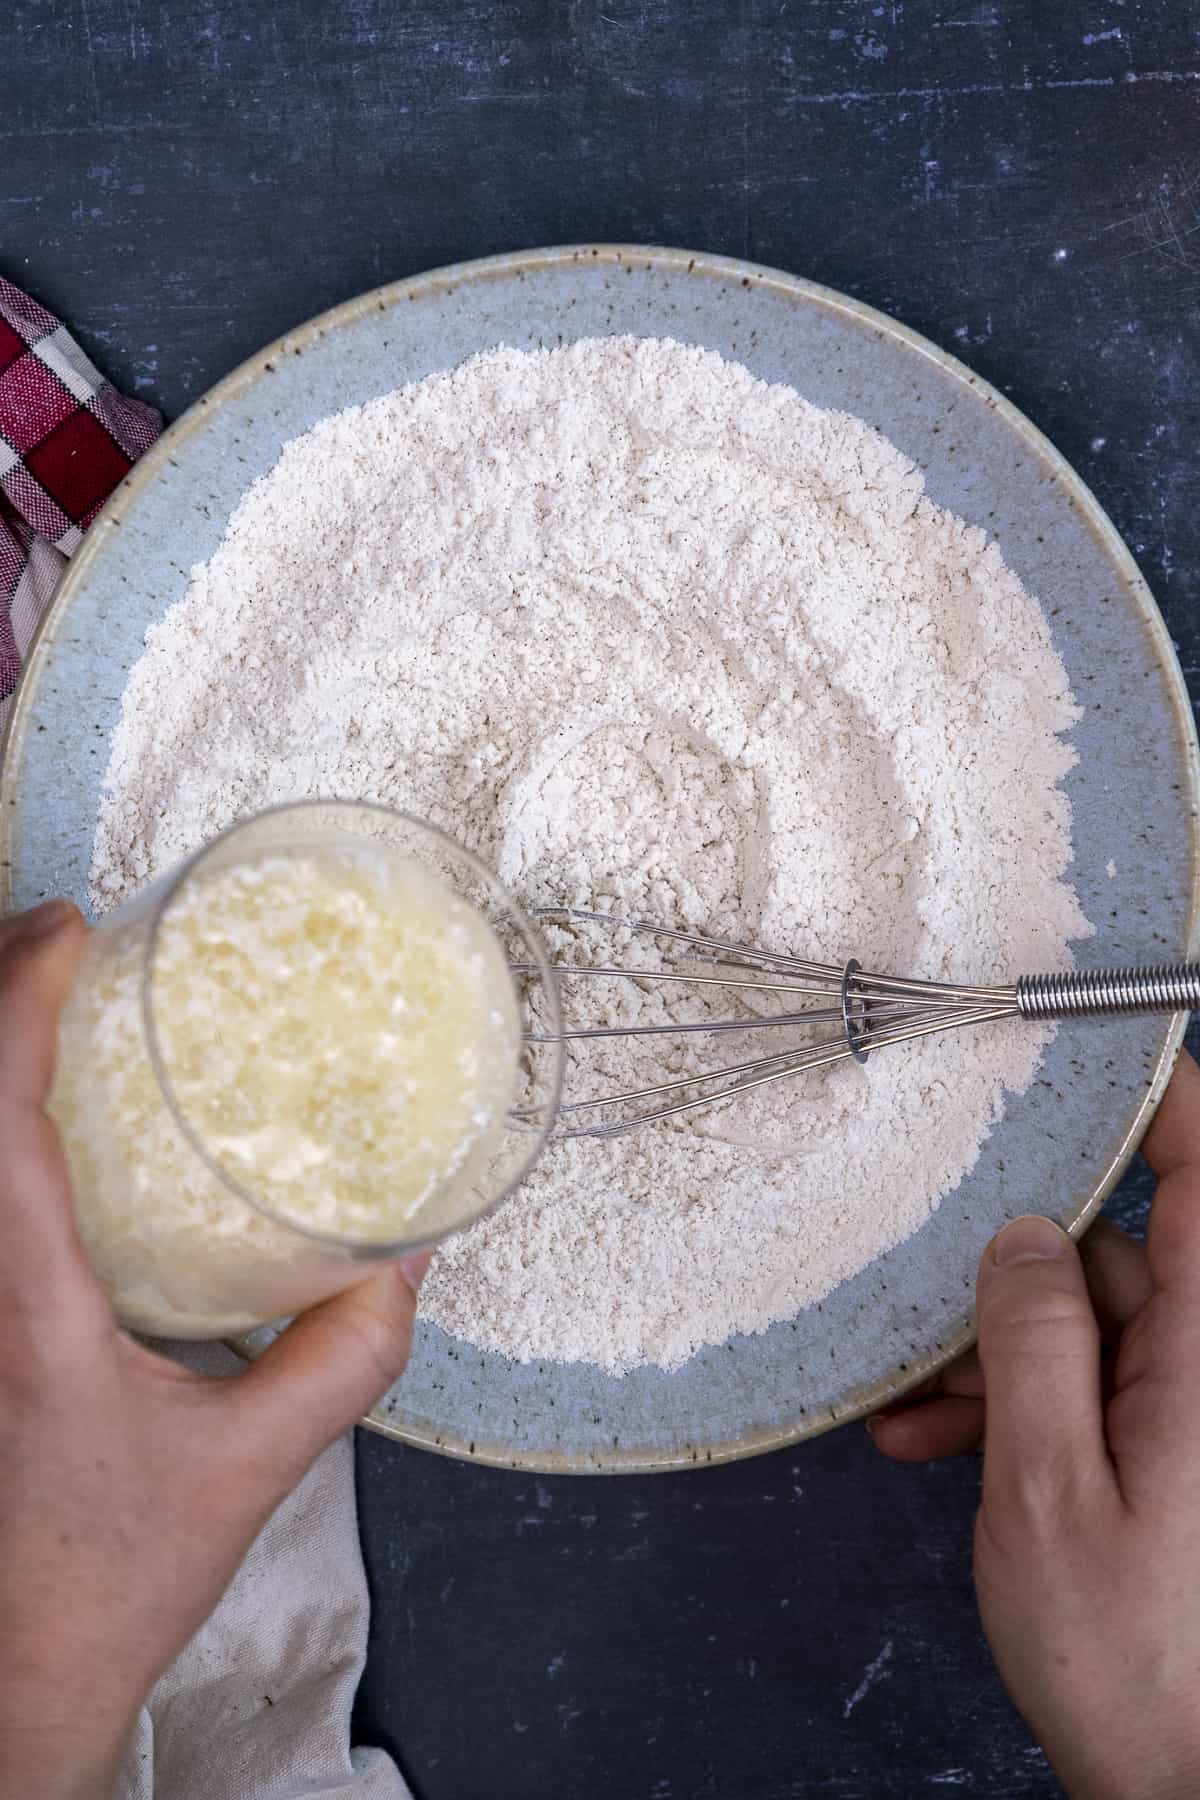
1087,1543
130,1488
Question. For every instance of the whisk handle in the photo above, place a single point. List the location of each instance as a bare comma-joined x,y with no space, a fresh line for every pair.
1151,987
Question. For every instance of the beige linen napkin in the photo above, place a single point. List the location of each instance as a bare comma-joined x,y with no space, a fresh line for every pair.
257,1707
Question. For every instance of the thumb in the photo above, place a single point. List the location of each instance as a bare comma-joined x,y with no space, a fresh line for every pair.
1039,1345
45,1280
39,955
328,1368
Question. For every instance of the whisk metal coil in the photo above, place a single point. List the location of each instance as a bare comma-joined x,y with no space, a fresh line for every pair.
1152,987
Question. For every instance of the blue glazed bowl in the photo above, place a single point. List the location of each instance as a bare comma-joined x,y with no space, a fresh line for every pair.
1060,1147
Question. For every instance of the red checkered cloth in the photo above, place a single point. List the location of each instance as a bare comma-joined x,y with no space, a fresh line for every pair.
66,439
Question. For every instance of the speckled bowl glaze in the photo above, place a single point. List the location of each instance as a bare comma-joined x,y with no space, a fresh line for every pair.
1060,1147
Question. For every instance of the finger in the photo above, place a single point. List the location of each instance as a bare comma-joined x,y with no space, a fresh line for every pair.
1039,1346
1173,1137
33,923
944,1416
947,1425
924,1390
1118,1276
36,969
327,1369
1172,1148
1154,1416
1118,1279
963,1378
44,1274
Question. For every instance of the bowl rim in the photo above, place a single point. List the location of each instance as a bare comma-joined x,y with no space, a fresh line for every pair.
865,1397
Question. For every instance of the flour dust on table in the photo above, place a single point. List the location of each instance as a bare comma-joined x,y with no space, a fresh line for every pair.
650,636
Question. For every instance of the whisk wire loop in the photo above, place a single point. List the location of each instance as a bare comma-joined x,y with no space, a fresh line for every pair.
873,1011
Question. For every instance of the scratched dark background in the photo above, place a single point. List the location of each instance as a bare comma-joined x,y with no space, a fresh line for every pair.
1021,182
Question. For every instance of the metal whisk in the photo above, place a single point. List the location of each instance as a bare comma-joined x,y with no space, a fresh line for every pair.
869,1012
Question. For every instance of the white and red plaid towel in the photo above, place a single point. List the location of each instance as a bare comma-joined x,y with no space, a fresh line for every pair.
66,439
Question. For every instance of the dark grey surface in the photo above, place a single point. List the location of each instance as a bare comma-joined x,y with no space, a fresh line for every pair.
1020,182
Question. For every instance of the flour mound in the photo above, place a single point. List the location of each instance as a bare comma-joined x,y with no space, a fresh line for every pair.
649,635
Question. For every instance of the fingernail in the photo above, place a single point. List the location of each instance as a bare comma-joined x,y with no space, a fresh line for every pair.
1029,1239
413,1268
871,1421
41,920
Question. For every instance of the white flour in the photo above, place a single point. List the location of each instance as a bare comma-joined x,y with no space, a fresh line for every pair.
647,633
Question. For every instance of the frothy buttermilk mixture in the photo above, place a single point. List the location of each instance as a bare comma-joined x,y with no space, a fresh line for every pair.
341,1039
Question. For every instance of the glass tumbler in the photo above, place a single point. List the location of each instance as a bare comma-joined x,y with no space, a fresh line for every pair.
180,1239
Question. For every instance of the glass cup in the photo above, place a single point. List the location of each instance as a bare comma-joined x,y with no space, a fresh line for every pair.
182,1243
